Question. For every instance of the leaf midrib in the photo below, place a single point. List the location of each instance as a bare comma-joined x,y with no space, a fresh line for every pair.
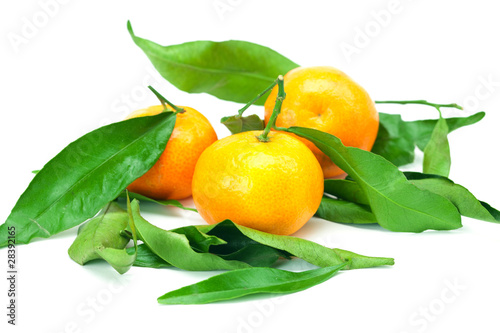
160,55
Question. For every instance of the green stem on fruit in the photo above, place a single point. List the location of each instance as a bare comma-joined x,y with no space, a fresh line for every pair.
240,111
276,111
423,102
163,100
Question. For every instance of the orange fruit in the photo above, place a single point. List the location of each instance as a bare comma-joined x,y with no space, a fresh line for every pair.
274,186
328,100
172,174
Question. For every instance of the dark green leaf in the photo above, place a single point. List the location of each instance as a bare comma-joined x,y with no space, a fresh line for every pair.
175,248
199,241
171,202
86,175
311,252
256,255
465,201
100,239
147,258
397,204
237,124
437,159
232,70
394,141
347,190
344,212
242,282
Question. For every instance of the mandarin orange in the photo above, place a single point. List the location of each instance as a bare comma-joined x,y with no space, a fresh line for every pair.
171,176
326,99
274,186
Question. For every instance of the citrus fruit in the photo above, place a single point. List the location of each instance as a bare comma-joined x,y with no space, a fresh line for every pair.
172,174
328,100
274,186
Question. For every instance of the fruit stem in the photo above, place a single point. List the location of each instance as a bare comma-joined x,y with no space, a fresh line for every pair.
421,101
276,111
240,111
163,100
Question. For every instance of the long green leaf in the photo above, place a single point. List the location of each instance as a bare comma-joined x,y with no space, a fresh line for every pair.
242,282
309,251
463,199
231,70
397,204
86,175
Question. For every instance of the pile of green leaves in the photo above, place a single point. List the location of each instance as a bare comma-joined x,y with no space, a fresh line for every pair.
84,181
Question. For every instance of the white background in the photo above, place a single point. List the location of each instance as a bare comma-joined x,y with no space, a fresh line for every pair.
79,69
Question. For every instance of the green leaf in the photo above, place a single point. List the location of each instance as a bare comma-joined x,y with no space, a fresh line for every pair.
465,201
237,124
199,241
256,255
242,282
437,159
175,248
171,202
397,204
147,258
231,70
347,190
100,239
344,212
422,129
394,142
396,139
86,175
311,252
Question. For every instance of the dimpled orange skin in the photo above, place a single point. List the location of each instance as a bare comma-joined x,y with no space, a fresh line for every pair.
273,186
172,174
326,99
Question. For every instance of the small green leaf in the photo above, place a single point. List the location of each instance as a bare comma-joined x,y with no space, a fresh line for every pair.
237,124
90,172
242,282
100,238
397,204
437,159
344,212
231,70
